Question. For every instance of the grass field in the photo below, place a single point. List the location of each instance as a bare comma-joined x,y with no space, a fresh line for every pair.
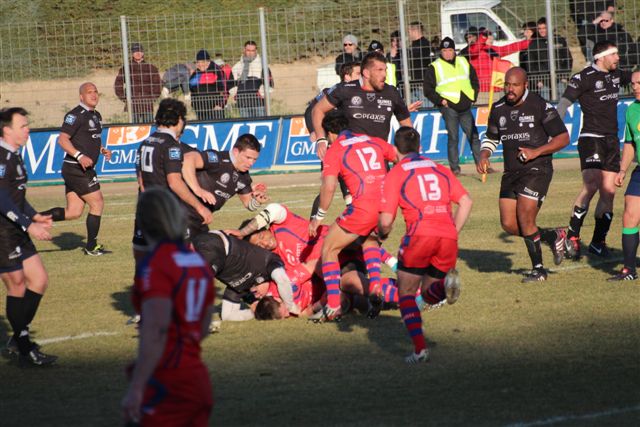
563,352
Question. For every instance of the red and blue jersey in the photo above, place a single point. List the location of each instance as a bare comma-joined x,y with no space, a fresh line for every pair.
174,272
360,160
295,246
424,191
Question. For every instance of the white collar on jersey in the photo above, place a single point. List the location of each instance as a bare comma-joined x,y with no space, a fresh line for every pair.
6,145
86,107
167,131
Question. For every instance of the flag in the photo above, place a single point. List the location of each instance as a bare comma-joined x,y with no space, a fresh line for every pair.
499,68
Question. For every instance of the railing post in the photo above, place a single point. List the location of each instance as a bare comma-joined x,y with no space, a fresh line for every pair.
127,70
405,56
265,62
551,51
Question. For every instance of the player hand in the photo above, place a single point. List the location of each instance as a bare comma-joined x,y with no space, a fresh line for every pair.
205,213
85,162
260,193
106,153
234,232
619,179
414,106
526,154
39,231
131,404
46,220
321,149
313,227
483,166
207,197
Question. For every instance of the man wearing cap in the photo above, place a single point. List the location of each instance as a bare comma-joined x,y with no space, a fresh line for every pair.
451,83
350,52
596,88
207,85
146,85
376,46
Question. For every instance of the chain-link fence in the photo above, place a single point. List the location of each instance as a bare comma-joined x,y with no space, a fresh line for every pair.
204,58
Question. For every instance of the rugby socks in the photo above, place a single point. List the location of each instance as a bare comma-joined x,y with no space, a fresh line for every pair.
93,226
575,223
331,275
388,259
16,318
435,293
535,250
548,235
57,214
389,290
372,261
602,227
413,321
630,240
31,301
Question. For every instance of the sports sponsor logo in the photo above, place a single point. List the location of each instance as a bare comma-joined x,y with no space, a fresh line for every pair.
70,119
356,100
354,140
370,116
599,84
222,194
514,115
609,96
515,136
3,170
241,280
502,121
593,159
371,97
225,178
531,192
526,119
385,102
19,171
174,153
212,157
420,164
12,216
92,124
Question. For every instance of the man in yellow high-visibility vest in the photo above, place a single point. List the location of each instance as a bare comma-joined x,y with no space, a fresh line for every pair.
451,83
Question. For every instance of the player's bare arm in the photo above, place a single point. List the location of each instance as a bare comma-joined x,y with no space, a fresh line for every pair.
179,187
462,213
327,190
319,111
385,225
628,154
191,162
64,140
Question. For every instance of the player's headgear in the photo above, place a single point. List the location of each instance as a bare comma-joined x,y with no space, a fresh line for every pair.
247,142
214,247
268,309
407,140
604,48
170,111
335,122
6,116
160,216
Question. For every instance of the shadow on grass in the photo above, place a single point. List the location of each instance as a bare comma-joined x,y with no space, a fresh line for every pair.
66,241
121,301
486,261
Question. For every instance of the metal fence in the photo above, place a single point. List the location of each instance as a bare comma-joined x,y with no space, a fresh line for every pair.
44,63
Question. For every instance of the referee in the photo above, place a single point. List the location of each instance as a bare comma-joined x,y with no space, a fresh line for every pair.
81,140
596,88
530,131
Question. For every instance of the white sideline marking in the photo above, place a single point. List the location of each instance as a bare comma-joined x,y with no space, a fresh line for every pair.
76,337
563,418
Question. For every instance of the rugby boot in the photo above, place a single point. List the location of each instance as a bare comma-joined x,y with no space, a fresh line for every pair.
572,248
625,274
96,251
452,286
415,358
558,246
599,249
537,275
37,358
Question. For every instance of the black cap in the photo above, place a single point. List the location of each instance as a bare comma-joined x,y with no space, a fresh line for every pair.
472,31
447,43
202,55
136,47
375,45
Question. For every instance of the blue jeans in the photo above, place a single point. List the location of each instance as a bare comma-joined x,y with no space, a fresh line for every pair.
453,120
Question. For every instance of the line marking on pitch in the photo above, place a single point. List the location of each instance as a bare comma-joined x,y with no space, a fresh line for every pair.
564,418
76,337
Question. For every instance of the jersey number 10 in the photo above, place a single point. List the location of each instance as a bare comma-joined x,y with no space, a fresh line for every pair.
146,164
429,188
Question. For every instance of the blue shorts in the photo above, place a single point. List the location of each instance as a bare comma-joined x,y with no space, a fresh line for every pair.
633,189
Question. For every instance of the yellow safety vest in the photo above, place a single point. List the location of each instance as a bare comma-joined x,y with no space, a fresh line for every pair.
391,74
450,80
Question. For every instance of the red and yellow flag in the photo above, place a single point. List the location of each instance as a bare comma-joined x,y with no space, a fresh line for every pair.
499,68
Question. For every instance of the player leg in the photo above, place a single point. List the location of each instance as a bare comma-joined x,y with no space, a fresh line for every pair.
603,214
630,222
527,210
508,217
408,285
96,205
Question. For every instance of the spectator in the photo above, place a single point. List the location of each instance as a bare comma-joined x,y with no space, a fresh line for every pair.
207,88
145,85
605,29
539,62
583,12
177,77
529,33
483,51
394,56
376,46
420,56
249,82
471,36
350,52
228,75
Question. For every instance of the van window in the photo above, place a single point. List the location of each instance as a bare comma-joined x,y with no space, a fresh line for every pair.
461,22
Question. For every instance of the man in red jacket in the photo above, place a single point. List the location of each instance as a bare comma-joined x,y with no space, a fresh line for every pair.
482,52
146,85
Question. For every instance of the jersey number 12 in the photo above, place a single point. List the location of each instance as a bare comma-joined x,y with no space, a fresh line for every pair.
371,162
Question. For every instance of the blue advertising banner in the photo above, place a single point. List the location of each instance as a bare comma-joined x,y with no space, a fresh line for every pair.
285,142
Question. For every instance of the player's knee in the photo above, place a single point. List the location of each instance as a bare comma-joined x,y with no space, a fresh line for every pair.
73,212
510,227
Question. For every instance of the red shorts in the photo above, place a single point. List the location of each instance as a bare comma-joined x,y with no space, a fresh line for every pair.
359,218
178,397
421,252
